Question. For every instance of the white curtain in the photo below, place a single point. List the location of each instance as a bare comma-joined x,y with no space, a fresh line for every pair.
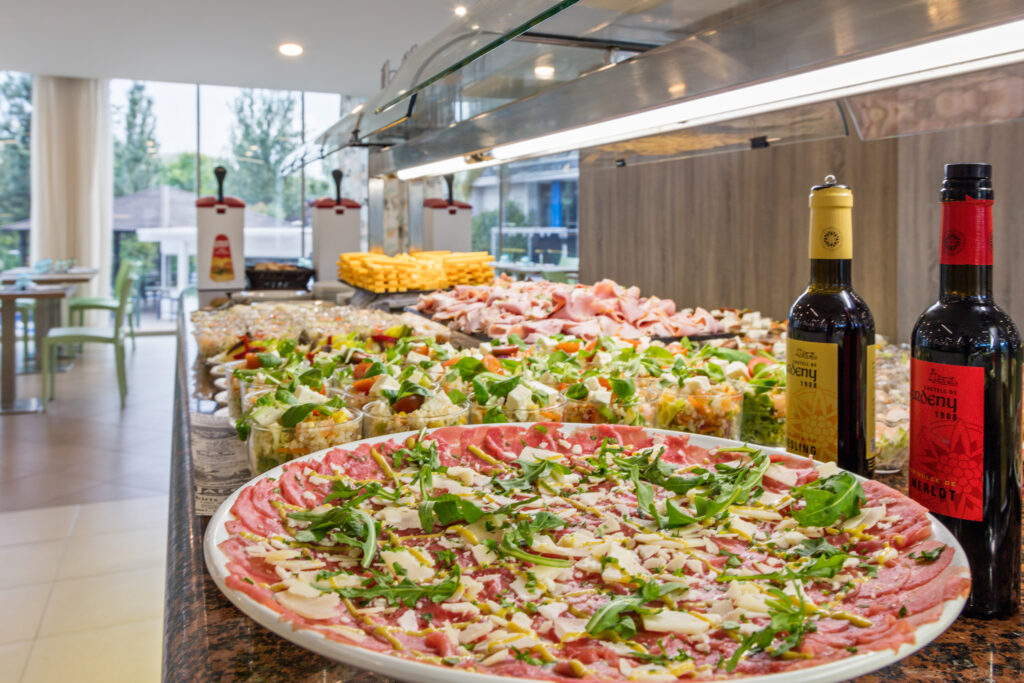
72,175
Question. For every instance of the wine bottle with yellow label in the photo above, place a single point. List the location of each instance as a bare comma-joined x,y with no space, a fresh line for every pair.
830,348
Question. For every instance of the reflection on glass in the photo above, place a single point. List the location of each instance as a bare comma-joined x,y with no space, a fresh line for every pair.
525,213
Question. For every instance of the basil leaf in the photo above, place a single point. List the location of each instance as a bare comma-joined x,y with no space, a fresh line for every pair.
456,396
577,392
269,360
297,414
623,388
469,367
480,394
504,387
494,416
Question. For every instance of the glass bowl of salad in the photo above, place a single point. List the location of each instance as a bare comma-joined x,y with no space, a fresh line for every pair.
699,406
371,379
411,409
281,430
763,419
600,400
892,441
514,399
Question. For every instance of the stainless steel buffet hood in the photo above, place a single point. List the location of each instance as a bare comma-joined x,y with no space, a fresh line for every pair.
521,72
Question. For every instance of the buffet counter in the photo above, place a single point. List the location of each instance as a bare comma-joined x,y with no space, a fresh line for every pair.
206,638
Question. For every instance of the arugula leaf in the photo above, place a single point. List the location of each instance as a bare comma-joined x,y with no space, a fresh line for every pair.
787,619
521,534
829,499
927,556
821,567
814,546
611,617
531,472
449,508
346,524
382,585
676,516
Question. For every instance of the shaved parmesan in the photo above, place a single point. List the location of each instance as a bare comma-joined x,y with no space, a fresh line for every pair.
671,621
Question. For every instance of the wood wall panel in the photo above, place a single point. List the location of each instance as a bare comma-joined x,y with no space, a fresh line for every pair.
921,159
731,229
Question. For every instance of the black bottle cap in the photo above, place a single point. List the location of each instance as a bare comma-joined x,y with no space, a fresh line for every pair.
968,171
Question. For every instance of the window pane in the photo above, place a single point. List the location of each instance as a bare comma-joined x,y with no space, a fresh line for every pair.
540,222
154,131
15,195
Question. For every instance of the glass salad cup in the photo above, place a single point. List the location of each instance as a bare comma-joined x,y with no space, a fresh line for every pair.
273,445
640,413
892,441
385,422
553,412
763,415
234,388
713,413
357,400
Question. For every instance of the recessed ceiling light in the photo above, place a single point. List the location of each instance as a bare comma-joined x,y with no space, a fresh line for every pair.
290,49
460,11
544,72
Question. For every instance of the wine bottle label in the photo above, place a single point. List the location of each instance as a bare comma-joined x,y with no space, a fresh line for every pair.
947,438
812,399
967,233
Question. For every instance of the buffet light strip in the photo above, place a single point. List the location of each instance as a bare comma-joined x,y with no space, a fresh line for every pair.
445,166
973,51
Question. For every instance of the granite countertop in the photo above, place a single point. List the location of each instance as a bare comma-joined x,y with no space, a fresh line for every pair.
207,639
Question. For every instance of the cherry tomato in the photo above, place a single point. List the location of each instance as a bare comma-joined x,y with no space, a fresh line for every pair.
384,339
360,370
363,386
252,361
758,361
569,346
504,351
492,365
408,404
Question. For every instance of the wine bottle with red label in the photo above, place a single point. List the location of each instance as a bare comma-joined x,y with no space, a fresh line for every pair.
965,400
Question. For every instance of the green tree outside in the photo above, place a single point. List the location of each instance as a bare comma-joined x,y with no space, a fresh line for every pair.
137,162
15,188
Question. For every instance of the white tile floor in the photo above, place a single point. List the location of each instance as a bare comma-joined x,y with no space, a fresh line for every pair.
83,592
83,523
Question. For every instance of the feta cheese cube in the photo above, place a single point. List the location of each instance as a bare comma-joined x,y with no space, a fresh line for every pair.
384,383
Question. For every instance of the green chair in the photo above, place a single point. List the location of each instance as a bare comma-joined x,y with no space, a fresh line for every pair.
82,304
26,308
59,336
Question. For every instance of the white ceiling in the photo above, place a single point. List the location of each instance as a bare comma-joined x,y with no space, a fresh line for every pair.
222,42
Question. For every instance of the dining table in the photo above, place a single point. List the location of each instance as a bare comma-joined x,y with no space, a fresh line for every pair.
48,311
47,298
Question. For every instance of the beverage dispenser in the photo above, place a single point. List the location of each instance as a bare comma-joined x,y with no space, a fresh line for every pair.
220,243
336,230
447,224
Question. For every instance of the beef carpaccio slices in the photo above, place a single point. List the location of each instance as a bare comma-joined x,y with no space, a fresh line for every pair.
597,552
